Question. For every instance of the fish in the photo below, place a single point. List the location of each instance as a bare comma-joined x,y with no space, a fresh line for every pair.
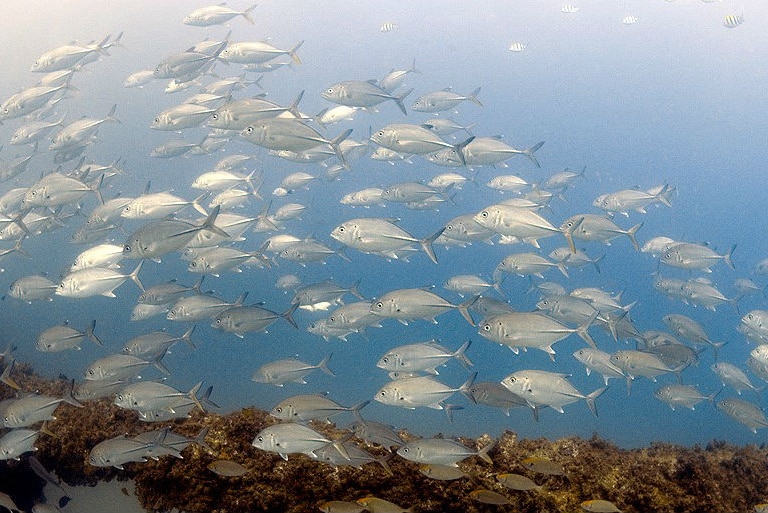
382,237
423,356
488,497
19,441
156,343
216,15
227,468
630,19
549,389
517,482
289,370
410,304
291,134
682,395
446,99
517,46
303,408
695,256
257,52
518,223
290,438
732,376
96,281
158,238
569,9
146,396
530,329
242,319
120,367
599,506
388,26
595,360
543,466
441,451
33,408
733,20
377,505
33,288
744,412
116,452
362,94
423,391
61,338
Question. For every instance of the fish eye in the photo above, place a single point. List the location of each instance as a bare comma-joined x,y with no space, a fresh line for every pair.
405,450
279,410
215,115
379,305
380,133
382,393
157,120
484,214
249,129
486,327
260,438
385,359
193,264
127,248
329,90
341,229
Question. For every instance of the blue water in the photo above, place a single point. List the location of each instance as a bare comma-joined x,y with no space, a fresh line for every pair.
674,98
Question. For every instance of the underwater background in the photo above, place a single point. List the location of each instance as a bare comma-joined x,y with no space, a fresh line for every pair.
673,98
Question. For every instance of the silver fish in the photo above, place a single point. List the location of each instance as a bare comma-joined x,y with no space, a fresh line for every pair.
355,93
548,388
289,370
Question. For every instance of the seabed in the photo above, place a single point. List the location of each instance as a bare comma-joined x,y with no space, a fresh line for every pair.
658,478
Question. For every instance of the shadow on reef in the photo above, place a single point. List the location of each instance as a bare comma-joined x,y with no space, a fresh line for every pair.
659,478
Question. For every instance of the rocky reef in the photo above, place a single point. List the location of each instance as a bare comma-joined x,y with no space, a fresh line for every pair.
658,478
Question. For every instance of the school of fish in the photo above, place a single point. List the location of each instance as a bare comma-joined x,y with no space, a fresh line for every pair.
232,216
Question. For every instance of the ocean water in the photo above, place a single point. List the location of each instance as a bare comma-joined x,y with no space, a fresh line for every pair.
675,98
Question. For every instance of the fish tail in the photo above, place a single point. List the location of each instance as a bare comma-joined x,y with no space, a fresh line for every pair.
530,152
200,440
591,399
288,315
209,223
44,429
426,244
561,267
323,365
460,355
584,334
483,453
19,221
399,100
318,118
727,258
197,206
207,398
294,107
134,276
449,408
5,377
192,394
337,149
91,335
631,234
247,14
69,397
596,263
158,363
473,97
355,291
465,388
187,336
464,309
111,114
664,195
292,52
459,149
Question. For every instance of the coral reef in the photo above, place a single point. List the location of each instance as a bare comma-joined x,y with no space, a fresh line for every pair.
659,478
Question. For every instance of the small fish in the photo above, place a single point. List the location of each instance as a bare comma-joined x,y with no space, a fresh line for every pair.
517,482
488,497
517,47
227,468
340,507
388,26
543,466
599,506
733,20
570,9
630,19
441,472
